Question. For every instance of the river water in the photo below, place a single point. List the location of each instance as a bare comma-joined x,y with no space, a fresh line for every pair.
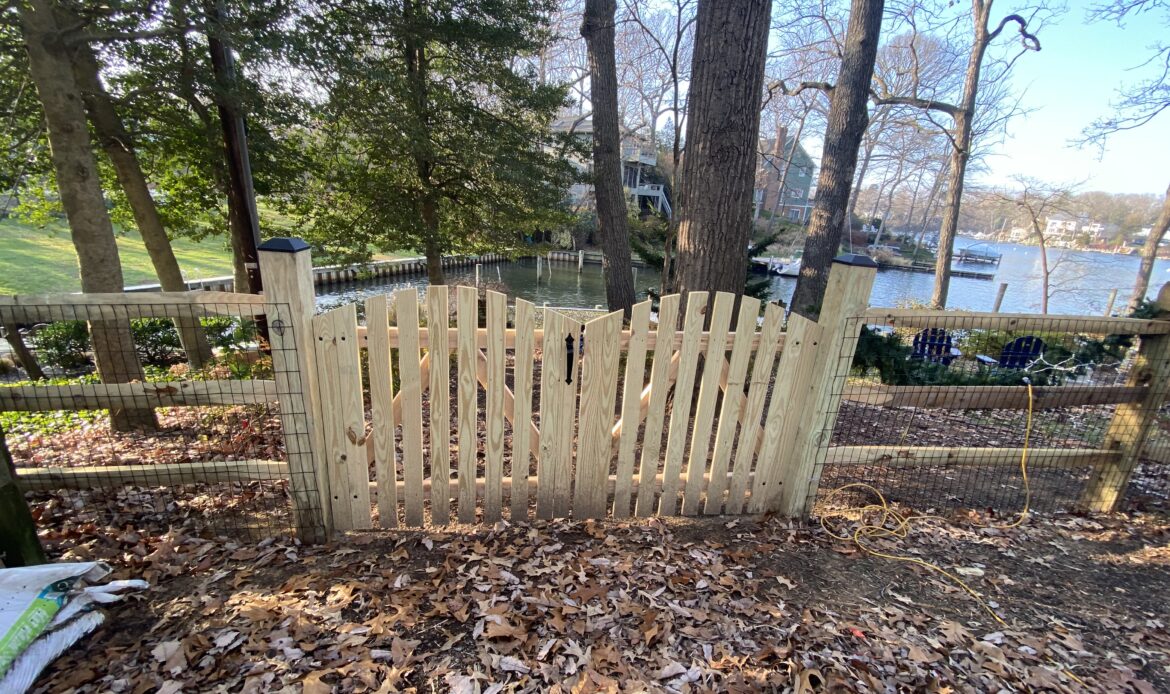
1081,282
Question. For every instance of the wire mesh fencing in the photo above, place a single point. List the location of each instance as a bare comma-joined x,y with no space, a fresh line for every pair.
938,411
150,416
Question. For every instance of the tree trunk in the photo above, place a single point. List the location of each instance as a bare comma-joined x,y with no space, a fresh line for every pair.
613,224
19,544
242,214
960,155
116,142
1150,253
81,196
848,116
430,215
1045,271
24,355
718,173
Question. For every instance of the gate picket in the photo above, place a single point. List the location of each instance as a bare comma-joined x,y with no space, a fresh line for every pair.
522,410
410,379
558,399
708,396
497,321
599,370
733,402
339,373
684,391
659,385
382,410
631,404
753,409
467,319
438,347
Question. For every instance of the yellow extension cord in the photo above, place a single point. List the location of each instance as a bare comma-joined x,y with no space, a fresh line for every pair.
901,528
890,523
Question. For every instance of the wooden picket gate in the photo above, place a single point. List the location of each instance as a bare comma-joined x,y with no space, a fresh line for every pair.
570,419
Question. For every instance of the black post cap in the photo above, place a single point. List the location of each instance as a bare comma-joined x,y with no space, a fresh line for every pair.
856,260
284,244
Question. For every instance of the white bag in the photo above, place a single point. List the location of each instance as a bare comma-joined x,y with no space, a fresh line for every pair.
46,609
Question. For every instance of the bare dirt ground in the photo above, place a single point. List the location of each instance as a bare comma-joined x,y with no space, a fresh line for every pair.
715,604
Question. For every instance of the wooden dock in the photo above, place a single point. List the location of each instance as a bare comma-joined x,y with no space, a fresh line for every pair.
929,268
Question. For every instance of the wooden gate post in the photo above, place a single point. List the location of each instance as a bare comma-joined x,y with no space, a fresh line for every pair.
1130,427
287,267
817,401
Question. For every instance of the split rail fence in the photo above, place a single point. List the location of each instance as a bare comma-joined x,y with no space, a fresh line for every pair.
456,406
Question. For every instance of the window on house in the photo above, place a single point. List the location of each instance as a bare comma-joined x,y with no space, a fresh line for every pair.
794,214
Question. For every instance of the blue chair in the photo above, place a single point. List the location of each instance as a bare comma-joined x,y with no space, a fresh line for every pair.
934,345
1021,352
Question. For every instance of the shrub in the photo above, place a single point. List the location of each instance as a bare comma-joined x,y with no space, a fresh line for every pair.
229,334
157,340
63,345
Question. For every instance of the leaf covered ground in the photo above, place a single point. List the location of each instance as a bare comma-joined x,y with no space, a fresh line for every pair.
685,605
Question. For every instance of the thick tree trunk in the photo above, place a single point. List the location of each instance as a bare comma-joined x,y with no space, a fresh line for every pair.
848,117
116,142
24,355
81,196
19,544
1150,253
613,224
723,128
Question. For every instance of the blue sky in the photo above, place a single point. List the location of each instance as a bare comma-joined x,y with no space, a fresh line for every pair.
1070,82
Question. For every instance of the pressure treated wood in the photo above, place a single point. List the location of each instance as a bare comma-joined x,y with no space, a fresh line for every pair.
779,471
467,318
382,409
599,372
558,396
753,409
288,279
410,385
943,456
38,308
680,413
522,424
652,338
631,404
96,396
846,297
1027,322
733,383
171,474
1129,430
709,390
437,369
497,319
343,418
656,408
992,397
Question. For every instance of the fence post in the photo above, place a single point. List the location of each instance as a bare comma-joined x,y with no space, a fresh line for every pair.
287,267
816,404
999,297
1131,423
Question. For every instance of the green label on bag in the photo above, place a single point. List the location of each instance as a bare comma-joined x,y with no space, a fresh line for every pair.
30,624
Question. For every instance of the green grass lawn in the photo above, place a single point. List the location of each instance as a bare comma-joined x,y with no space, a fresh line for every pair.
35,260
